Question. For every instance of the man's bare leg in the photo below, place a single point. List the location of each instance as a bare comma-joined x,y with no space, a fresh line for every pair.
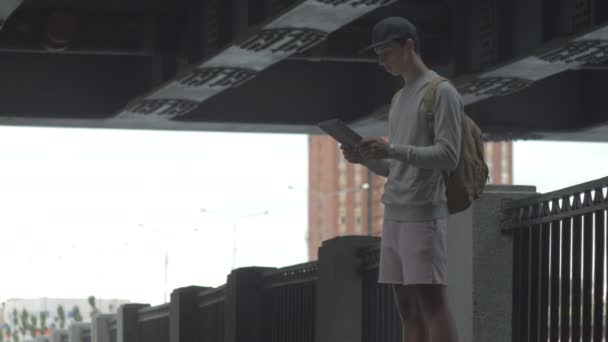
414,328
437,313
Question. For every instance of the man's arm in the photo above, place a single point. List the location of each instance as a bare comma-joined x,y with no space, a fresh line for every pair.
380,167
445,151
377,166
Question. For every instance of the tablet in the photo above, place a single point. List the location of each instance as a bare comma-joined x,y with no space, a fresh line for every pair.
341,132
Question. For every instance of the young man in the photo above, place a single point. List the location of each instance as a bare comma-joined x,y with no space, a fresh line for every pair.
414,240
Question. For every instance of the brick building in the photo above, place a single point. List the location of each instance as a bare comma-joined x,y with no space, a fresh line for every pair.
342,195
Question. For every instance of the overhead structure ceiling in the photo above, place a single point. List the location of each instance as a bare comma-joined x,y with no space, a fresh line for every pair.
526,68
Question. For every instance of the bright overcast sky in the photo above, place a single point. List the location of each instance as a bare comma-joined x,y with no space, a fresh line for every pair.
93,212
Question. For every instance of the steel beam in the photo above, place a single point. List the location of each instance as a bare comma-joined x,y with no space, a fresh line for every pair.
93,33
70,86
302,27
6,9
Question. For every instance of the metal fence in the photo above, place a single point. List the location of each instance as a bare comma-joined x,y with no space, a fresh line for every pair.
381,320
559,267
289,297
210,318
113,329
153,324
85,332
286,304
86,335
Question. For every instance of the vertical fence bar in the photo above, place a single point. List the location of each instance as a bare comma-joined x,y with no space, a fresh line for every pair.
535,277
377,323
284,313
306,311
555,269
313,308
545,240
525,284
587,274
366,308
517,267
554,283
380,319
565,273
600,250
577,233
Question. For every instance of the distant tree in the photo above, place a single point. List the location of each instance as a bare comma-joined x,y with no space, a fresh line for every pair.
43,317
60,317
23,328
15,317
76,315
94,310
1,334
33,327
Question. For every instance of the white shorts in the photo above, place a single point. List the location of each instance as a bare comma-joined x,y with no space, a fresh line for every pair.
414,252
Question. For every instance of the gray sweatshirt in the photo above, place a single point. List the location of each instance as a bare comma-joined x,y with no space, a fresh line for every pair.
415,189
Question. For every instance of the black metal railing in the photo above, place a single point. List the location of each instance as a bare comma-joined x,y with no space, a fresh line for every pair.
559,253
153,323
112,326
85,334
381,320
210,316
289,298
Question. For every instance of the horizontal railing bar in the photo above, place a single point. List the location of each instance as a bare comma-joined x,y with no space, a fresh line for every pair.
153,313
524,223
209,292
363,251
289,268
210,301
300,280
370,257
291,275
570,191
369,267
210,297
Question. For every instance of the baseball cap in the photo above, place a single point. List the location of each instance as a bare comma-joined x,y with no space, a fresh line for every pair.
390,29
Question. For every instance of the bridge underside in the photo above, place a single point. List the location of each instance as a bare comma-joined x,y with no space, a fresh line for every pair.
538,72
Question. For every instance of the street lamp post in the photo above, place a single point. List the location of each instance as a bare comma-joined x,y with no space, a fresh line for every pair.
234,220
166,263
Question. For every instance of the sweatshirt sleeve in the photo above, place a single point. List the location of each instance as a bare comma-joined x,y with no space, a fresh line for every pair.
381,167
445,151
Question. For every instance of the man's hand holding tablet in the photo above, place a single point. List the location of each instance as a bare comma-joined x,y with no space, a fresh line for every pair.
349,140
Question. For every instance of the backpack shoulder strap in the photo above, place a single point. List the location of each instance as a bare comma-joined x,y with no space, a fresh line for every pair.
428,102
428,106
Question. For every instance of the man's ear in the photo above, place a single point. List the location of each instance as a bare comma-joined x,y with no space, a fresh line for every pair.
409,43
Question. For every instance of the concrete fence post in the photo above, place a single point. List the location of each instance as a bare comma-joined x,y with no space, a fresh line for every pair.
100,328
76,331
480,266
244,305
183,325
60,336
126,322
340,290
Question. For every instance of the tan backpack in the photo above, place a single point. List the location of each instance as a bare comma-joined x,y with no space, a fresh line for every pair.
465,183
